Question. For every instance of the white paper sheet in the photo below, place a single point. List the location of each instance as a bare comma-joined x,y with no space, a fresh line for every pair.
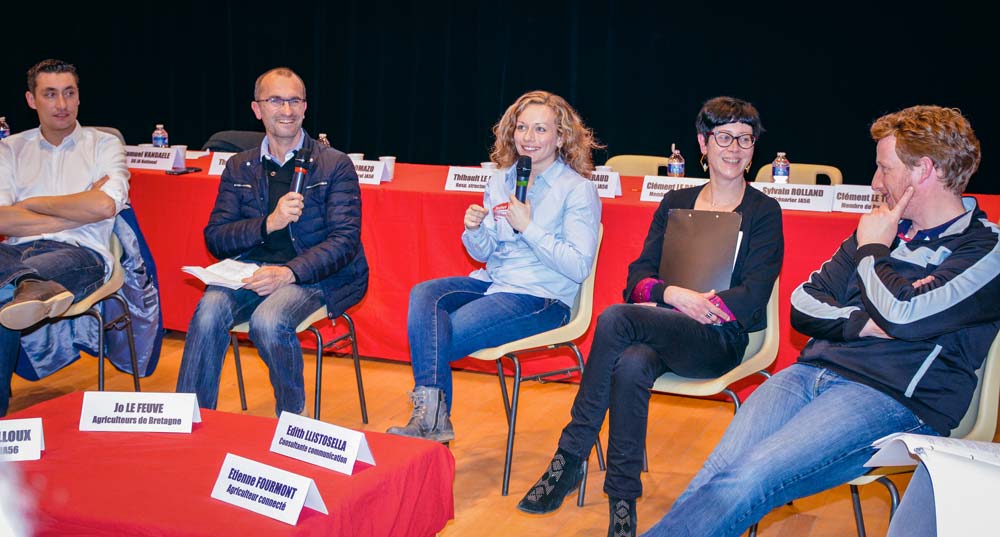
227,273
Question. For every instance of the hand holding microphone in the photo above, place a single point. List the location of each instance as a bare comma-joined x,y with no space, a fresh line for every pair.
519,214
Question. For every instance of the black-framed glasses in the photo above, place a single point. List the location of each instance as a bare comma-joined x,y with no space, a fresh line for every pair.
724,139
278,102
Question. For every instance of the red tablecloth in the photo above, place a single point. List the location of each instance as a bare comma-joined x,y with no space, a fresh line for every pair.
100,483
411,229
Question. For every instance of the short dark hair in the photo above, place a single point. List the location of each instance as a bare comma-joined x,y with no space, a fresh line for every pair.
725,110
50,66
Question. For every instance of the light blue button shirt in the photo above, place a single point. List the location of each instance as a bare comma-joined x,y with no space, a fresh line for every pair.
265,149
553,255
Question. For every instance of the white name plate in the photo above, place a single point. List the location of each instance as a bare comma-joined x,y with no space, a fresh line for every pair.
219,160
21,440
609,184
855,199
147,412
155,158
371,172
799,197
266,490
468,179
320,443
655,187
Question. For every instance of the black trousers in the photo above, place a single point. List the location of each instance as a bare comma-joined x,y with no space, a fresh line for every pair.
633,345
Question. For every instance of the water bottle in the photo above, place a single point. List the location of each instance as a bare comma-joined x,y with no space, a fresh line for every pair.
675,162
160,138
4,128
780,168
323,141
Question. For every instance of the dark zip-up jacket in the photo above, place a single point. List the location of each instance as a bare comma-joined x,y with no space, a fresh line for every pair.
327,237
941,330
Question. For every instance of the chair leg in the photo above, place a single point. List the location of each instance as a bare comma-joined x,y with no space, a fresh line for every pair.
583,484
357,365
239,370
126,319
893,495
597,443
93,312
859,519
319,371
645,461
753,530
734,398
503,390
512,422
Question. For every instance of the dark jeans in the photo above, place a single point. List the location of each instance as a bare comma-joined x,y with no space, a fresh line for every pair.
633,345
80,270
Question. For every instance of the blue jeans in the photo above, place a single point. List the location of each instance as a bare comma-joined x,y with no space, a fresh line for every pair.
452,317
80,270
916,516
803,431
273,319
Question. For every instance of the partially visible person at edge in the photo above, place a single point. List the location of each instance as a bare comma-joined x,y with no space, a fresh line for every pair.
663,327
537,254
899,318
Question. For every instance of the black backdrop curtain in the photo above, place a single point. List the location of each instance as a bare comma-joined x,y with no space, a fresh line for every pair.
425,81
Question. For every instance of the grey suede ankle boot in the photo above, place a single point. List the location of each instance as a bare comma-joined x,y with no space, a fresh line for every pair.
430,419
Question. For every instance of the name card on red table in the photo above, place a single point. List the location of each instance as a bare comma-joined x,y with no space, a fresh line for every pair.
655,187
266,490
155,158
219,160
468,179
21,440
371,172
147,412
855,199
320,443
799,197
609,184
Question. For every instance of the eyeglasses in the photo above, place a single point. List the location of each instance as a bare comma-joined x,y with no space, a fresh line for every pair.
724,139
278,102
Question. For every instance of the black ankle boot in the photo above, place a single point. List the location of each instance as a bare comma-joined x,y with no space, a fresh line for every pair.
622,518
561,477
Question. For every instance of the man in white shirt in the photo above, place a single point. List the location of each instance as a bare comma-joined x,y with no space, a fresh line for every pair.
61,186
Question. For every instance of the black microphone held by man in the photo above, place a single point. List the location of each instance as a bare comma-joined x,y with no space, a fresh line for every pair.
301,168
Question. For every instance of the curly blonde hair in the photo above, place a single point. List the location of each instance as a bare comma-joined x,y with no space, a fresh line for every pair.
941,134
577,139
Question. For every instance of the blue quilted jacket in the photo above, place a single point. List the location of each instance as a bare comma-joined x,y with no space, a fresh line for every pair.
327,237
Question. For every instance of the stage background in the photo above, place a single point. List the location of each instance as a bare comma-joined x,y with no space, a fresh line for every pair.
425,81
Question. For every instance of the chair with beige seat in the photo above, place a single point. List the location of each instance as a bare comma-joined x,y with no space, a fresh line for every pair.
350,338
803,174
90,305
552,339
636,164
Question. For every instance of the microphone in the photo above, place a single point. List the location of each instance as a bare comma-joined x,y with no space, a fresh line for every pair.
521,184
301,164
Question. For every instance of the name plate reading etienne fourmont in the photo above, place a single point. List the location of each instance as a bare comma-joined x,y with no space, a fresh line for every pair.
609,184
155,158
468,179
370,172
147,412
799,197
21,440
655,187
320,443
266,490
856,199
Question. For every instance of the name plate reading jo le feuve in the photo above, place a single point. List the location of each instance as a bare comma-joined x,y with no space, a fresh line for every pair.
155,158
655,187
219,160
609,184
468,179
266,490
149,412
799,197
320,443
371,172
21,440
855,199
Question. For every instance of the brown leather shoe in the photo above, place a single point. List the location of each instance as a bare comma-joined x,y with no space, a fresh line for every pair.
35,300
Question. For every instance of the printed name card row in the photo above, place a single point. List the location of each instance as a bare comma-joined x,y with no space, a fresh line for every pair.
820,198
